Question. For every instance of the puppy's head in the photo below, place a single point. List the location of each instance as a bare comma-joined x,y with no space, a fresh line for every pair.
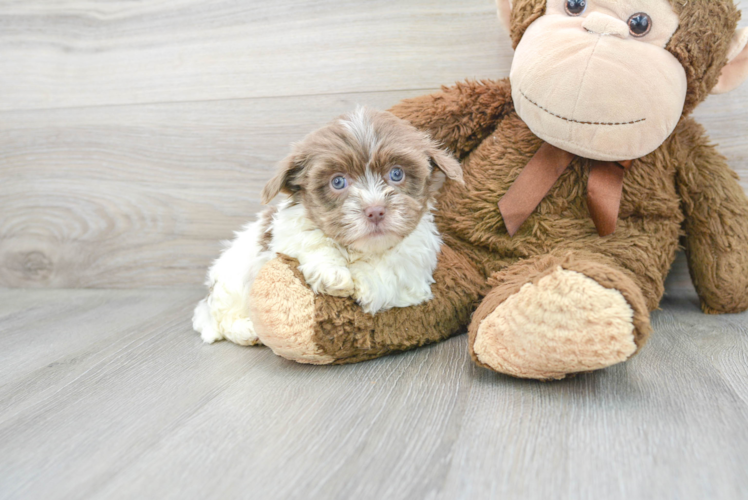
365,179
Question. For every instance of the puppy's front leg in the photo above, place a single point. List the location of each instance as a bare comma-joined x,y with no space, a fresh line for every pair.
370,291
326,271
322,261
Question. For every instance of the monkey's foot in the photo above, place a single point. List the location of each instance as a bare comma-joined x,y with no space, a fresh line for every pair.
560,323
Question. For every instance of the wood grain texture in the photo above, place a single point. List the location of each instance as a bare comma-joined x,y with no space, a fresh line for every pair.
89,52
109,394
139,195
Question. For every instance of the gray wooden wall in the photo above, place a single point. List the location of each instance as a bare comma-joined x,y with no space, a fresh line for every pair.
134,135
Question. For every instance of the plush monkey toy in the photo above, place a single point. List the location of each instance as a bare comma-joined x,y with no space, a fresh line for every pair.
582,172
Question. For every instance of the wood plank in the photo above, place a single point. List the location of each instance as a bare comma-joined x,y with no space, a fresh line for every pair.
146,411
50,345
88,52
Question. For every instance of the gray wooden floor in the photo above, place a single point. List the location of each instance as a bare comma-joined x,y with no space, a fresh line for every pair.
134,135
108,394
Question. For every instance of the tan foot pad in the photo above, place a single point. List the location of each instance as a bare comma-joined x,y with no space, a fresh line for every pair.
283,310
566,323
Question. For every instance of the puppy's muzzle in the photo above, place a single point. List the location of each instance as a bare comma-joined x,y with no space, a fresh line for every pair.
375,214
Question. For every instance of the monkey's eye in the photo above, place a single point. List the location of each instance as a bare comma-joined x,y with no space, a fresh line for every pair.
338,182
640,24
397,174
575,7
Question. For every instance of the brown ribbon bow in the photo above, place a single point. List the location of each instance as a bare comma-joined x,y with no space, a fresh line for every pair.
604,189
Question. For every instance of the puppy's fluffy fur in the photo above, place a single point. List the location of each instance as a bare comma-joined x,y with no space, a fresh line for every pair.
373,239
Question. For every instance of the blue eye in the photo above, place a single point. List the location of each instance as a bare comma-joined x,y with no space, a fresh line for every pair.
396,174
339,182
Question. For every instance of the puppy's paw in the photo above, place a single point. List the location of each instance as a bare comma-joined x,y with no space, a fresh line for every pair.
374,297
204,324
241,331
223,323
329,280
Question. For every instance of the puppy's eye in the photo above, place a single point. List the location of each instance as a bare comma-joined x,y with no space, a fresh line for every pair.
640,24
338,182
397,174
575,7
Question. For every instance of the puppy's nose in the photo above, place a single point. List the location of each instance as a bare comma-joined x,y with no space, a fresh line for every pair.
375,214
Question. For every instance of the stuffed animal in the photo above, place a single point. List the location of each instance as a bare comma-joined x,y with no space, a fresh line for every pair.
582,172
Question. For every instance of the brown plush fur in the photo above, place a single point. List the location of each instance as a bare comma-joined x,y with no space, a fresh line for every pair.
684,189
716,221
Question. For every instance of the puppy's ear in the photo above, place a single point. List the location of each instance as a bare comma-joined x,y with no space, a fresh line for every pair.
445,162
286,179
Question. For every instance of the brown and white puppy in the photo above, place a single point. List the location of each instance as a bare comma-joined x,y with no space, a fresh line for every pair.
358,218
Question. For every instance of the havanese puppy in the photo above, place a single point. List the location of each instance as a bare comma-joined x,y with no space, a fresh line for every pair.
358,218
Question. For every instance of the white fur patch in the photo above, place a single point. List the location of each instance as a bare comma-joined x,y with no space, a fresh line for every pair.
371,189
401,276
360,127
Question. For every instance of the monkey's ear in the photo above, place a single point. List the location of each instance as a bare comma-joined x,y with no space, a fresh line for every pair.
735,71
505,13
447,163
285,179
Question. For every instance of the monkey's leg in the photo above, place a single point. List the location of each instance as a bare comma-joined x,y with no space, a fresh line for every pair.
550,316
320,329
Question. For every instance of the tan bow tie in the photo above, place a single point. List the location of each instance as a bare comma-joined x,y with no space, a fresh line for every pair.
604,189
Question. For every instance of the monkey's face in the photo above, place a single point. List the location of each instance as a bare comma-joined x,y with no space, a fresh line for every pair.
593,77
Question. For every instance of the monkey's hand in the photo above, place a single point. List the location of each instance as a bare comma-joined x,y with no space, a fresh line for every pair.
461,116
716,224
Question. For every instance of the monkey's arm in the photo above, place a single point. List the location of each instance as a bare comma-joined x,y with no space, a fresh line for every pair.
462,115
716,224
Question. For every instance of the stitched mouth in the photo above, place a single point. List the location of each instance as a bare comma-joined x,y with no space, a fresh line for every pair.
578,121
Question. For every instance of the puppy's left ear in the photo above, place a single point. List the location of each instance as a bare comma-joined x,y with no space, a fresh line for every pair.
443,165
446,163
735,71
285,179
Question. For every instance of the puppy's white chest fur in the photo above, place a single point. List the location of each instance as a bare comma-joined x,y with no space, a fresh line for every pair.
398,277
